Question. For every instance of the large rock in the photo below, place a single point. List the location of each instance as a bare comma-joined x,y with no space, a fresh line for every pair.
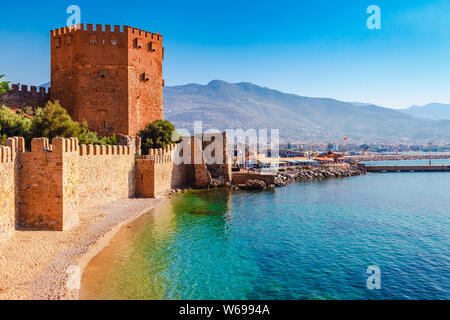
254,185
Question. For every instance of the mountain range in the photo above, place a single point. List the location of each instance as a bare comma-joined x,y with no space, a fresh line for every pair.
434,111
221,105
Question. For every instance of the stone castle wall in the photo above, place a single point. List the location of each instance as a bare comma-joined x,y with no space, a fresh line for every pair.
48,187
157,174
8,183
208,174
40,186
154,176
94,175
21,97
57,180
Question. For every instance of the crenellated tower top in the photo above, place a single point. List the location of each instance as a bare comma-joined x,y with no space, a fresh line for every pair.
109,76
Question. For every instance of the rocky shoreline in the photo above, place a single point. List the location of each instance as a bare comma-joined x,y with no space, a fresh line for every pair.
295,175
299,175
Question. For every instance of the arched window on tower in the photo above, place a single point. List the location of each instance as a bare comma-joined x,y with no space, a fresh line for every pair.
93,39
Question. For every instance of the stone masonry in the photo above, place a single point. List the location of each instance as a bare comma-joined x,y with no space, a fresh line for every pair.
21,97
48,187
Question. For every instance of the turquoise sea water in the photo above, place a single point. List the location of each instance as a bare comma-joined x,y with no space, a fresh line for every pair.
310,240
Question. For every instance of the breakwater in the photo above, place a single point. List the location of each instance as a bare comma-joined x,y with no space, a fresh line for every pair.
255,181
396,157
307,174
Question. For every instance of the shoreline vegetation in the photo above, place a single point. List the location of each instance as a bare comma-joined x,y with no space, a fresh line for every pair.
42,273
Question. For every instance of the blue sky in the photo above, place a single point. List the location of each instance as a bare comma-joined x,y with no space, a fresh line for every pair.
313,48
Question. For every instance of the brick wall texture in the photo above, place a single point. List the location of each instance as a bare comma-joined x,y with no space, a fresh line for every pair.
21,97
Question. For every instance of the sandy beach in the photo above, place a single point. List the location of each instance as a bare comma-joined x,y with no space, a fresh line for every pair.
38,265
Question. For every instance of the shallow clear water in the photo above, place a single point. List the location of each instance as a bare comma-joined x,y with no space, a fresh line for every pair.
306,241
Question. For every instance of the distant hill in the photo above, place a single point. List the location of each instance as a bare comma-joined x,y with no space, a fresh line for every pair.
224,105
434,111
46,85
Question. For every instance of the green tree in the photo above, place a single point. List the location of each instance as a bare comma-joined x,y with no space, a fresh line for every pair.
4,85
49,122
13,125
156,135
54,121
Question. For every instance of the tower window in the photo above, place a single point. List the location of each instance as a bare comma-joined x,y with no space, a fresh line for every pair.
151,47
114,40
93,39
69,40
145,77
138,43
58,43
102,74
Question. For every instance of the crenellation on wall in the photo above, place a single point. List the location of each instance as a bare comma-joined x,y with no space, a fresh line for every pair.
104,29
48,187
21,96
5,154
69,176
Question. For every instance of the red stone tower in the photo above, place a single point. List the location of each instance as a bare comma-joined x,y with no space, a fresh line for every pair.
111,78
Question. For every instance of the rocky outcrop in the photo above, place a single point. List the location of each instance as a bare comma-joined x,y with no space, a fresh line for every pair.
254,184
308,174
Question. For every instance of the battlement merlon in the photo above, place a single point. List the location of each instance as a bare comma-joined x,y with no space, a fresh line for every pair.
99,28
17,144
102,150
6,154
31,89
